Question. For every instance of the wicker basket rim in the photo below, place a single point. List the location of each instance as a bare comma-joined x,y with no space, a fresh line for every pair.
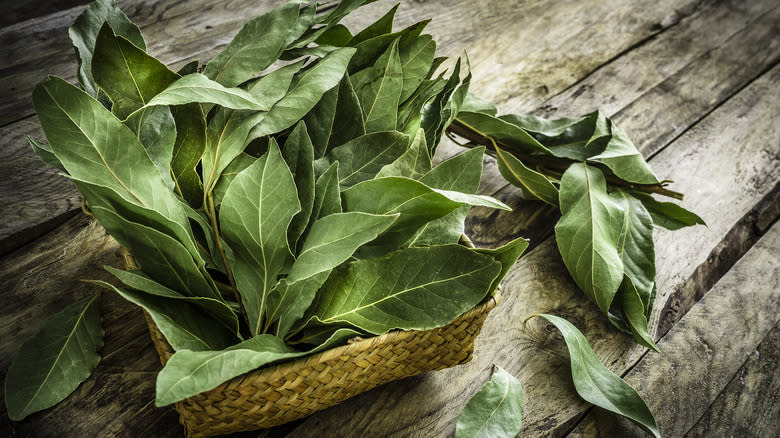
393,336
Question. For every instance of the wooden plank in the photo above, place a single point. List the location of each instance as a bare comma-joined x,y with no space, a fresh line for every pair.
720,48
740,238
704,351
15,12
428,405
749,402
117,400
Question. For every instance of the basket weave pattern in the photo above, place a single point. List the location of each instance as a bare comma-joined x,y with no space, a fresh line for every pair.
278,394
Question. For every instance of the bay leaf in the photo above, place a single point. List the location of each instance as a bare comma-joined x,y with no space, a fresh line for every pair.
596,384
336,119
369,50
507,255
633,307
378,88
53,362
588,233
307,89
534,184
337,35
298,152
84,31
327,195
256,46
155,128
241,162
360,159
635,245
416,202
256,211
45,153
495,411
413,163
331,241
416,60
382,26
216,309
433,113
505,133
668,214
461,173
196,87
188,150
474,104
623,158
160,256
182,324
226,138
573,138
127,74
409,289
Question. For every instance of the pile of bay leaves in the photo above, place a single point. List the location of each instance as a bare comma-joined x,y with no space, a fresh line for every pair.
281,199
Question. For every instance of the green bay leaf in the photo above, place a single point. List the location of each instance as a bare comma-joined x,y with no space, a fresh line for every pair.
336,119
95,147
191,372
596,384
413,163
330,242
298,152
84,32
127,74
410,289
588,233
51,365
307,89
155,128
184,326
668,214
495,411
534,184
256,212
623,158
379,90
362,158
196,87
256,46
188,150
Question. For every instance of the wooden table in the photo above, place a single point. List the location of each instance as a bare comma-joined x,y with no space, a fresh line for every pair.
695,83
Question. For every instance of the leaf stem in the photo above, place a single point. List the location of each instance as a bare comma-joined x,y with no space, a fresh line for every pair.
211,212
549,166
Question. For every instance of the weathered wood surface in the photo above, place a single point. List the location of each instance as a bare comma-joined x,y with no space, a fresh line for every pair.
695,83
706,349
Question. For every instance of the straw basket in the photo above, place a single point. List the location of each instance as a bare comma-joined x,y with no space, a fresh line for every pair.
278,394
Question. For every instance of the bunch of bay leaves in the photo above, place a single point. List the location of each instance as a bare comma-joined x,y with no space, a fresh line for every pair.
281,199
278,201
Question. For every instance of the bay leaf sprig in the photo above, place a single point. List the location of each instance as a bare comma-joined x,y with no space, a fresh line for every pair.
591,171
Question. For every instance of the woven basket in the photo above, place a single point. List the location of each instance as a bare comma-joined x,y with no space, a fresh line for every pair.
278,394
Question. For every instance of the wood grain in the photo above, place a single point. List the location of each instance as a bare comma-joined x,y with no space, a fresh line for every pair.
704,351
751,401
